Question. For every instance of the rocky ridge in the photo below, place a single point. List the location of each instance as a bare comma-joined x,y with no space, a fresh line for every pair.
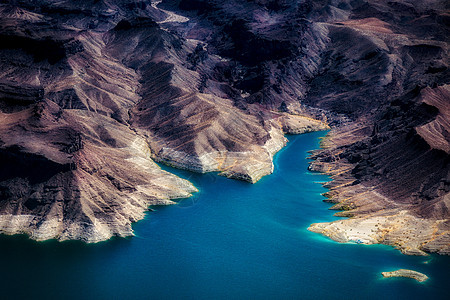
92,93
393,184
377,71
97,90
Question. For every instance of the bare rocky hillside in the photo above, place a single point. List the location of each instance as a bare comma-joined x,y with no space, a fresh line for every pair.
93,92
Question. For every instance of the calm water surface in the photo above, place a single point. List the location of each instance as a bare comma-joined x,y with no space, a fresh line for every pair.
232,240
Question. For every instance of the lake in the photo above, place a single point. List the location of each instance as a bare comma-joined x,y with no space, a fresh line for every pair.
232,240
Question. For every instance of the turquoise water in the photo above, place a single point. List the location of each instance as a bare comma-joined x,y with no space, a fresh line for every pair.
232,240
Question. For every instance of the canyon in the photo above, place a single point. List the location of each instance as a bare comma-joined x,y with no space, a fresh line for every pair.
93,93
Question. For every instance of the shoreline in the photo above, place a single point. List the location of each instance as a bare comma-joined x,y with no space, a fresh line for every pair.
370,217
99,232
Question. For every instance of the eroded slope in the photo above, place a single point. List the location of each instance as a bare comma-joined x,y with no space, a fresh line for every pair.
92,91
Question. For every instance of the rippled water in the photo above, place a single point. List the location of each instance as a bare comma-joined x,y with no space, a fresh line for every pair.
232,240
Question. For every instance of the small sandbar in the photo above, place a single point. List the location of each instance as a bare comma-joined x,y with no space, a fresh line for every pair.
406,273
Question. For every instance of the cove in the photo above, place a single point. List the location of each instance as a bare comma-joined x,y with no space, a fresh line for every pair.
232,240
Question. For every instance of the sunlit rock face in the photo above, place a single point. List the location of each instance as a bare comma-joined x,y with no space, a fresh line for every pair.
93,92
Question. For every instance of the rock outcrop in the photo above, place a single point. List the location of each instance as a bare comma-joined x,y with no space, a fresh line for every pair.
406,273
389,178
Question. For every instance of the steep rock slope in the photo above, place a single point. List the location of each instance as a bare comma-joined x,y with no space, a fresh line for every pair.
391,181
390,166
377,71
76,175
197,130
90,92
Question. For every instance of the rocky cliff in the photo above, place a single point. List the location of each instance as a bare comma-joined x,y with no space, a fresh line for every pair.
92,92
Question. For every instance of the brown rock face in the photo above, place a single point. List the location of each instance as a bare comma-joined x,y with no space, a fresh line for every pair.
436,133
393,183
390,166
90,96
92,92
77,175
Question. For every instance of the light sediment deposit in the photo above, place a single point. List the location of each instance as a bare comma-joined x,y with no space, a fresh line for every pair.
406,273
